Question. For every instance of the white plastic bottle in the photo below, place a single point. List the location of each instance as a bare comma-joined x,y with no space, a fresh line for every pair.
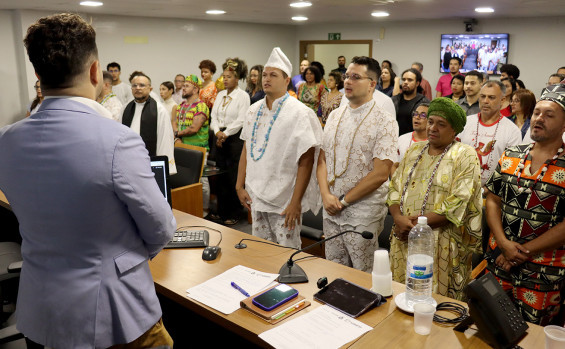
420,263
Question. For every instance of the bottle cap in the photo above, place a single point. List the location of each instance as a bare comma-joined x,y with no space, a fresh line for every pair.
422,220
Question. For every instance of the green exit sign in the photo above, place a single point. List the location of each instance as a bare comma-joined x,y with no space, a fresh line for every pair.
334,36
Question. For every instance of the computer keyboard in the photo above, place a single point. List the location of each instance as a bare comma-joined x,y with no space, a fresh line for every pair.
189,238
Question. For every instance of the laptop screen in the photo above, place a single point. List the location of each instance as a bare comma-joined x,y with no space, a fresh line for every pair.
160,167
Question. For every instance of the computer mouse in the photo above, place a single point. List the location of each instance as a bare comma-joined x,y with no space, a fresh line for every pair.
211,252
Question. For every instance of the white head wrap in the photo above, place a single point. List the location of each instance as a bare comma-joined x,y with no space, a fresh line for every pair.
279,60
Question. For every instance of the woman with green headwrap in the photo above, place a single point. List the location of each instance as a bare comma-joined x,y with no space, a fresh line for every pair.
439,179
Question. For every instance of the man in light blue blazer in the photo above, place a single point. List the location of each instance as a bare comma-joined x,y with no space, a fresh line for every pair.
90,211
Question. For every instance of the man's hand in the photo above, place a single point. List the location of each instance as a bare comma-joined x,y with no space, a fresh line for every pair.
332,204
244,198
292,214
513,252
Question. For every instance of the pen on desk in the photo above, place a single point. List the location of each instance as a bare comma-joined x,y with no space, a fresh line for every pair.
243,292
288,310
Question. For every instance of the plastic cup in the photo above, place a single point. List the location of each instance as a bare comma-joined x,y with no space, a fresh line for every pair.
554,337
381,262
423,318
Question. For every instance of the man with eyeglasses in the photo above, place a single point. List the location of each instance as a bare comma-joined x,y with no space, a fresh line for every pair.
406,102
360,144
120,88
179,84
148,118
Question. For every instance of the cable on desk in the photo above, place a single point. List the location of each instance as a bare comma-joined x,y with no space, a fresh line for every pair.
263,242
451,307
202,226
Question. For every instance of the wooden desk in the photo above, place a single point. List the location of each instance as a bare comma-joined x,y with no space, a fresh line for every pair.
174,271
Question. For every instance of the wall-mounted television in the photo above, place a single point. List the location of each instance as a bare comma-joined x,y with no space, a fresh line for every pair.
482,52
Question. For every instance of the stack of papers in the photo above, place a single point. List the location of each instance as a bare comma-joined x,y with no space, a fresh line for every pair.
323,328
217,293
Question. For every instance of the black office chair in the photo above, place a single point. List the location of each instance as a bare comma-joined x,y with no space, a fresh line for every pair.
189,163
312,232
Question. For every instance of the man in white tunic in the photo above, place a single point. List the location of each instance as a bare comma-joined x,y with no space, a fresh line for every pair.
150,120
360,145
489,132
108,99
282,138
120,88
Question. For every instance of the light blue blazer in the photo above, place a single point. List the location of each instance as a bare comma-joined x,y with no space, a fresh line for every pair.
91,215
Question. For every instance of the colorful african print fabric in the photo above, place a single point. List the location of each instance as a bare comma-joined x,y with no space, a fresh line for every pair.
208,95
537,283
185,116
456,194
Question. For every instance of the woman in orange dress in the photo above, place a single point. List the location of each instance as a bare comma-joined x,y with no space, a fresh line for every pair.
208,92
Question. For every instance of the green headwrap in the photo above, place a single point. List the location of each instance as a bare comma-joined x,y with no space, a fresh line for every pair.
450,111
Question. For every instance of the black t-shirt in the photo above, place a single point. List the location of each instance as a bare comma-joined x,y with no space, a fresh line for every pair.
404,115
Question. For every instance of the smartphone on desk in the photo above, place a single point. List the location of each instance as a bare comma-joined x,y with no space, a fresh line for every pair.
275,297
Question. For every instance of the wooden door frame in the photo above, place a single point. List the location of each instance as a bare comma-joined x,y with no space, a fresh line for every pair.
304,45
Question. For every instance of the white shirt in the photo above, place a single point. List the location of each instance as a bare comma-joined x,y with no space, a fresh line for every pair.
376,137
88,102
165,136
123,92
404,142
113,105
229,111
270,180
383,101
177,96
169,104
504,133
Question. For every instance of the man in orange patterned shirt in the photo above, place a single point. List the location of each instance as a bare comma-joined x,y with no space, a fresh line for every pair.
525,211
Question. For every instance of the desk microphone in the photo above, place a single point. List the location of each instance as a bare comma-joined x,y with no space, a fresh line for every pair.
291,273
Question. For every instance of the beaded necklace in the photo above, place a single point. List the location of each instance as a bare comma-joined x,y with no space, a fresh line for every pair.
332,181
107,97
546,164
430,181
256,125
486,164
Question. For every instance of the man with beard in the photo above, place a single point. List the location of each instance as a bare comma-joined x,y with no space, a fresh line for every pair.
150,120
406,102
525,211
341,67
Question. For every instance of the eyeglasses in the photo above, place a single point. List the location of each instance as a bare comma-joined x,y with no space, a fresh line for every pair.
355,77
514,101
139,86
36,87
421,115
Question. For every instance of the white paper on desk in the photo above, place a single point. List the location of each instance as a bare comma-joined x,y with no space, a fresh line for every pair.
324,327
218,293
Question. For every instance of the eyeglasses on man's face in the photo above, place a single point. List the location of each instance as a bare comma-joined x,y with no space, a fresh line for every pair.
355,77
422,115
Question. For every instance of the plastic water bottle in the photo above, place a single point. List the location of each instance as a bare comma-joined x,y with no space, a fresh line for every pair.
420,263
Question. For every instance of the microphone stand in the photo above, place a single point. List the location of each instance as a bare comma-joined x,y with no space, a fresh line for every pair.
292,273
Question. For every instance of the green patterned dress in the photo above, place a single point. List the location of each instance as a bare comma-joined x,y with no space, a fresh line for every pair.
455,194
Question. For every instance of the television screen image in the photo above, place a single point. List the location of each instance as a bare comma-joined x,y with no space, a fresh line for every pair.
482,52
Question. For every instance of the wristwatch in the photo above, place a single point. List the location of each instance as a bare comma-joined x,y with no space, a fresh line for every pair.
342,201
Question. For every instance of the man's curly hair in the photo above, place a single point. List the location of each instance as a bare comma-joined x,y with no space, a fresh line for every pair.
60,47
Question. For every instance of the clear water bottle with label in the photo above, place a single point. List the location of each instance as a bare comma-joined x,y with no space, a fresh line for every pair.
420,263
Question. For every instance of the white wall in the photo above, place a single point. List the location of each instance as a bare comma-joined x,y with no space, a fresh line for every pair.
327,54
536,44
172,46
13,93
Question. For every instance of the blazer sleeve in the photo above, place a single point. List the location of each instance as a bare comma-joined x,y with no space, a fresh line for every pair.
135,186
